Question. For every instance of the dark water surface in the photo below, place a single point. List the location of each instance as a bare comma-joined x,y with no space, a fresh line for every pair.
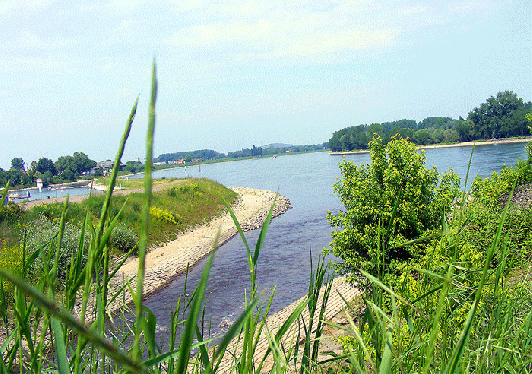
284,263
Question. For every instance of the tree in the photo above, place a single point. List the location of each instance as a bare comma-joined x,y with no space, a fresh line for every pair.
396,179
17,164
45,165
489,118
82,163
422,137
66,168
465,131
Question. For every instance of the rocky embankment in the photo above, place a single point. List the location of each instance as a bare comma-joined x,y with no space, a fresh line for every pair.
165,262
522,197
282,204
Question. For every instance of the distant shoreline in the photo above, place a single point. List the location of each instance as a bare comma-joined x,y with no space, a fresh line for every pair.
462,144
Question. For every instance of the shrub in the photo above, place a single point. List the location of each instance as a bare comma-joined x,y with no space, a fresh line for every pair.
123,238
11,213
396,179
10,259
163,215
187,188
40,233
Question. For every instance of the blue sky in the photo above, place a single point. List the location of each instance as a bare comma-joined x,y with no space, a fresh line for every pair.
234,74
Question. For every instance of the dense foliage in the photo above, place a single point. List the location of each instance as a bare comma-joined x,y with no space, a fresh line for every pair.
254,151
502,116
396,192
65,169
463,303
202,154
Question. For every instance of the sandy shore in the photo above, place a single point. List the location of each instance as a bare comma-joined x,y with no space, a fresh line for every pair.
485,142
165,262
463,144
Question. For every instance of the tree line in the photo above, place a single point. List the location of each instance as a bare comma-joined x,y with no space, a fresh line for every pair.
64,169
502,116
254,151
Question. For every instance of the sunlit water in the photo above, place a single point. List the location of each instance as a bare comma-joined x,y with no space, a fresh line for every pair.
284,263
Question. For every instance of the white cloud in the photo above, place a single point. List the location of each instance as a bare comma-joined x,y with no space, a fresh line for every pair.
297,29
308,29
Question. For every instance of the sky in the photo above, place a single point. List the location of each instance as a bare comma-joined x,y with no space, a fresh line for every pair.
233,74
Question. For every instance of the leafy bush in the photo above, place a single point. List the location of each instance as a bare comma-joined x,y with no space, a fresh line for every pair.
123,238
163,215
41,234
187,188
10,259
396,186
11,213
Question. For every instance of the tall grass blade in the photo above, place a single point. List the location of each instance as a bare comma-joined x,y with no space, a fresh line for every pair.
240,232
230,334
187,334
114,172
4,195
387,289
462,341
436,323
386,362
68,319
60,347
286,326
143,241
263,231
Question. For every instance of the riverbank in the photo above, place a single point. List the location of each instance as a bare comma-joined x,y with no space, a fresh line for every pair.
479,142
462,144
166,262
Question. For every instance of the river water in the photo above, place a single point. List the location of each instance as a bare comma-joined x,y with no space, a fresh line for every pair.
284,263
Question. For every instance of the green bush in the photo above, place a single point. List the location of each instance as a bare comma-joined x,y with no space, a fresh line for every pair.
123,238
397,179
187,188
11,213
10,259
40,234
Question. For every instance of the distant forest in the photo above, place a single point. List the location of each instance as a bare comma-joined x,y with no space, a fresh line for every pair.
502,116
254,151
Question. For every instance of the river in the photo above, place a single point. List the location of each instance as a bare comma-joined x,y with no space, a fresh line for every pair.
284,263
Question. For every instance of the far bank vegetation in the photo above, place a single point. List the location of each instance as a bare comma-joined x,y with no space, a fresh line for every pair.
503,116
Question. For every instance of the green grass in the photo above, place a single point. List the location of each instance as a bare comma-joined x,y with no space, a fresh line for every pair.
190,202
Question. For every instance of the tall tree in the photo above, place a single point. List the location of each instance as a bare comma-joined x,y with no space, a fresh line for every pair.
82,162
66,168
489,118
17,164
45,165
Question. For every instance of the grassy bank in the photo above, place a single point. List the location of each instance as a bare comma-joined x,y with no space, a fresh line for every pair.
178,204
